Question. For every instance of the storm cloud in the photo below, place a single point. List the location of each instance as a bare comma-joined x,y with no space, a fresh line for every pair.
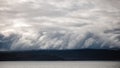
59,24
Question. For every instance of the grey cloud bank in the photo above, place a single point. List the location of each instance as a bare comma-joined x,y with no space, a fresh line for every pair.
59,24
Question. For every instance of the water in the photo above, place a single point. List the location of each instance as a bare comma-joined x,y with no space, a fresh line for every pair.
60,64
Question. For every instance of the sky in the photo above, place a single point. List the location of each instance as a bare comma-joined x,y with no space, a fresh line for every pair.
59,24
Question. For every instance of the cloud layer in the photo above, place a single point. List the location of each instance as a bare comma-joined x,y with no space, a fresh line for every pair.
59,24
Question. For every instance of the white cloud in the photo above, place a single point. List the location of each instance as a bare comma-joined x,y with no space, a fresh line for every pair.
59,24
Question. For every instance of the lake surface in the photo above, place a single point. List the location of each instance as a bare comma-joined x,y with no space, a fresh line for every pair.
60,64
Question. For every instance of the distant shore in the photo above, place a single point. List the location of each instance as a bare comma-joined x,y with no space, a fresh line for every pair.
61,55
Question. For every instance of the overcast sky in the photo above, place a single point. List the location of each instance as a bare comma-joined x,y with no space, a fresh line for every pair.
59,24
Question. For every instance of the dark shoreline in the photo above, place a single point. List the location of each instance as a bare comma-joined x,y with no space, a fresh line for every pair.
61,55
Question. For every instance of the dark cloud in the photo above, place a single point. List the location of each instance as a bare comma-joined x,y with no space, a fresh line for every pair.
59,24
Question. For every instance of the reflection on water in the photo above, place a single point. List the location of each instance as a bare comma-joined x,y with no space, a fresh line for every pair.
60,64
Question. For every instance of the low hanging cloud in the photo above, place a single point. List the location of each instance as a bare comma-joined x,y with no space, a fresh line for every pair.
59,24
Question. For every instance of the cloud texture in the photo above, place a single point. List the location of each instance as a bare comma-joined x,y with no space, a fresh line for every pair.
59,24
